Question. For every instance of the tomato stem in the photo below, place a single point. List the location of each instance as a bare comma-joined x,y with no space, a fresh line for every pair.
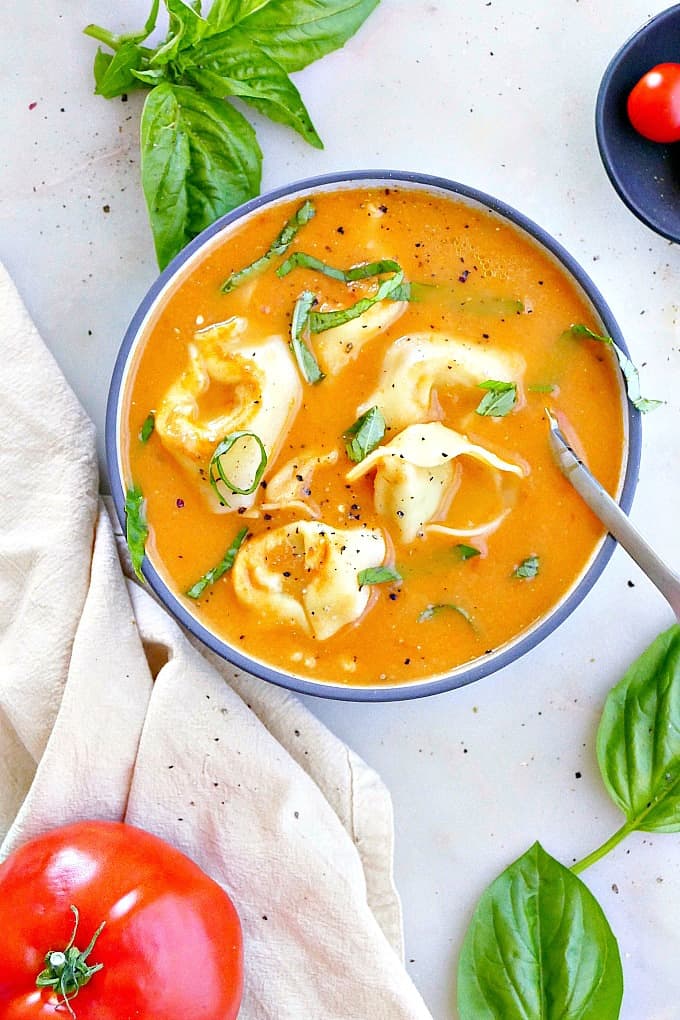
66,971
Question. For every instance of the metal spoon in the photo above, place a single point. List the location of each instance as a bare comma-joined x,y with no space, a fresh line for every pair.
613,517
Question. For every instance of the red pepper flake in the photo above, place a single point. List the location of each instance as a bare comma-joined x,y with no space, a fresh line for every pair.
32,106
179,503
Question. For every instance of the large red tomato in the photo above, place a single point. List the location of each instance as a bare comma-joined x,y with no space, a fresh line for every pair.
152,937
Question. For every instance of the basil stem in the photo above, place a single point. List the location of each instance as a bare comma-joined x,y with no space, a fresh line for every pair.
377,575
216,472
307,363
630,372
136,528
147,428
279,246
360,272
365,434
527,568
499,400
319,322
433,610
216,572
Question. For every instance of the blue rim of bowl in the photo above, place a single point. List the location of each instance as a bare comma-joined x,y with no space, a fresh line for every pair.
478,668
601,123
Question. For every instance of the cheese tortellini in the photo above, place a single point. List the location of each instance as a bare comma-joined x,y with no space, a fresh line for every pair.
305,574
258,391
414,474
337,347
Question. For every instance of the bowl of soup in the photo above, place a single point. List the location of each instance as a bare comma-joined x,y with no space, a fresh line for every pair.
327,435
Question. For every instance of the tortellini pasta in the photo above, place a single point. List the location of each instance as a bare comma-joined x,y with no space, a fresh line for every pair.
305,574
337,347
418,363
259,392
415,471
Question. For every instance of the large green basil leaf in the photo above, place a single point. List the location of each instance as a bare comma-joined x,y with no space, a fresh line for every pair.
539,948
200,158
638,740
114,73
230,64
294,32
185,29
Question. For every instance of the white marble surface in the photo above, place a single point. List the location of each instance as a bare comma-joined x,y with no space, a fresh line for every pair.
499,95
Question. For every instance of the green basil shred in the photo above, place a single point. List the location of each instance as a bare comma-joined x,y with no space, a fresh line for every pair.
377,575
216,472
630,372
319,322
466,552
499,399
148,425
300,259
216,572
433,610
365,434
306,361
136,528
279,246
527,568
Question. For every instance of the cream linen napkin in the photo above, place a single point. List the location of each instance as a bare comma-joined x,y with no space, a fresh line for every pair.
107,710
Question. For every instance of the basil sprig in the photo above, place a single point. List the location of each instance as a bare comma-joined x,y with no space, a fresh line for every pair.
378,575
200,156
499,399
279,246
216,572
539,945
630,372
216,472
306,361
136,528
365,434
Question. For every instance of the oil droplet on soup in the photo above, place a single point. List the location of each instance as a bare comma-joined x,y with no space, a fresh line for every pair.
350,471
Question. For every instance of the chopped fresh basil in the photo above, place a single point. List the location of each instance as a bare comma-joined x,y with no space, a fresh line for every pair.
307,363
279,246
527,568
377,575
147,428
541,388
216,471
365,434
360,272
136,528
440,607
466,552
439,293
499,400
630,372
319,322
216,572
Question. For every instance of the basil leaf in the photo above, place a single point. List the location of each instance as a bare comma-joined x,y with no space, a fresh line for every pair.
377,575
360,272
527,568
541,388
200,158
216,471
148,425
319,322
229,64
433,610
539,948
297,32
136,528
638,740
216,572
499,400
114,74
365,434
630,372
186,28
307,363
466,552
279,246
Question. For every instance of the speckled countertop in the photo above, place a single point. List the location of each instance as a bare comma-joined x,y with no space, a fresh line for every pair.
499,95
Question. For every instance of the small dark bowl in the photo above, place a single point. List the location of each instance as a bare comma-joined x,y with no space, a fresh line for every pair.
645,174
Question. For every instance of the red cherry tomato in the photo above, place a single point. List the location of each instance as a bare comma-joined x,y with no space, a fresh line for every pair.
152,936
654,104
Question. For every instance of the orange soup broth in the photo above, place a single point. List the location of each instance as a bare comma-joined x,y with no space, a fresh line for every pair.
477,255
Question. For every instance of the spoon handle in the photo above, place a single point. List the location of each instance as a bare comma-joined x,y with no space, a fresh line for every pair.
614,519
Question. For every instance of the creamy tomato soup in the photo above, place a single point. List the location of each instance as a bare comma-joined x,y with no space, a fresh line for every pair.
345,466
